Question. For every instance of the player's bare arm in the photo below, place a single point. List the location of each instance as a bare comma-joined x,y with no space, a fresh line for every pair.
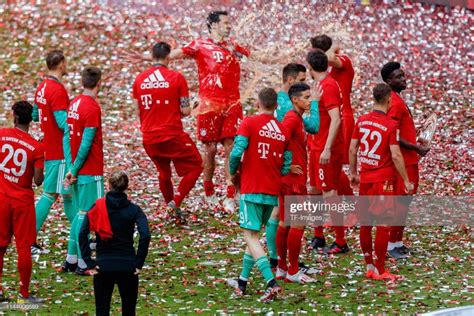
38,176
354,147
421,150
333,130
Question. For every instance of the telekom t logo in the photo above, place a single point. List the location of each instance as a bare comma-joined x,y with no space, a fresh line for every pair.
146,101
263,149
218,56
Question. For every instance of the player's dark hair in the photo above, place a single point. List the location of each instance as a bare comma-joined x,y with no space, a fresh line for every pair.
54,58
381,92
388,68
214,17
268,98
318,60
161,50
296,89
91,77
23,111
118,181
322,42
292,70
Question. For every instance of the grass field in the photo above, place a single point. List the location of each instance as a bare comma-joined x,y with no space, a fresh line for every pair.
187,266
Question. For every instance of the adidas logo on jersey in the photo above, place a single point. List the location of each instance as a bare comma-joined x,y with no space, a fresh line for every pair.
40,97
155,80
271,130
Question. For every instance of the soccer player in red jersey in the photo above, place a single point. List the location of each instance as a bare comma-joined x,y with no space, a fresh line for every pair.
342,71
21,161
261,150
379,156
50,109
288,238
162,98
219,111
87,171
394,76
326,147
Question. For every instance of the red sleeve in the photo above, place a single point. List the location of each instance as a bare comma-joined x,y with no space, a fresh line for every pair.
331,96
191,49
355,133
289,122
244,128
393,134
93,119
39,157
395,111
182,87
59,100
346,62
242,50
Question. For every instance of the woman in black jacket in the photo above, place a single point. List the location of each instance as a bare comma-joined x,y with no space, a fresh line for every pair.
116,261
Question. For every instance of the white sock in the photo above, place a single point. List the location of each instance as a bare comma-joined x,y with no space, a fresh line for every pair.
82,264
391,245
372,267
72,259
398,244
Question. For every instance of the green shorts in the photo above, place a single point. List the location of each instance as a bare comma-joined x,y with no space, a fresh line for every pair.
87,190
54,174
253,216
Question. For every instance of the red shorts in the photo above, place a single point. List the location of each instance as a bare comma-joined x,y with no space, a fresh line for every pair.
181,150
347,129
18,221
413,175
324,177
380,205
289,189
214,127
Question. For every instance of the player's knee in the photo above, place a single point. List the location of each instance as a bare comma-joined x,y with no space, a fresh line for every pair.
210,149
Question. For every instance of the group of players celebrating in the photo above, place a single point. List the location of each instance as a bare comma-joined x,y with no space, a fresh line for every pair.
303,131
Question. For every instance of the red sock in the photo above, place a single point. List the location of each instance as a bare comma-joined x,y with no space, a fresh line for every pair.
394,232
186,184
381,243
3,250
319,232
344,186
340,235
366,243
208,188
166,188
281,238
401,229
24,268
231,191
294,248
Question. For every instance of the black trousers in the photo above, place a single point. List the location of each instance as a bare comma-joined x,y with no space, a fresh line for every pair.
104,283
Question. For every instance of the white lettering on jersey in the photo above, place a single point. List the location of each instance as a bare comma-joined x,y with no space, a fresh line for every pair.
146,101
263,149
73,110
155,80
271,130
218,56
40,97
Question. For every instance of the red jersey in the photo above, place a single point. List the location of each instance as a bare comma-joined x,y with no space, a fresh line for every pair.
344,77
400,112
159,93
85,113
263,159
376,132
51,96
20,154
218,71
293,123
331,99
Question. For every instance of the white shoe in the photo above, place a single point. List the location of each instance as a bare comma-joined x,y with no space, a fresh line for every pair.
229,205
212,201
280,274
299,277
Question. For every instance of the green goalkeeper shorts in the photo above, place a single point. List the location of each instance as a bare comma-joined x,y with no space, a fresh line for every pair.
54,174
87,190
253,216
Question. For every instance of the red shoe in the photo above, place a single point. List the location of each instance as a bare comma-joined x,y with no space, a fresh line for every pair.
370,274
386,276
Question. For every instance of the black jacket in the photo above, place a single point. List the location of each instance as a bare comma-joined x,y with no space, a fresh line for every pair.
118,253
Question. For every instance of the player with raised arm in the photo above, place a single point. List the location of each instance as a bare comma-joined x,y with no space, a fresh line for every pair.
289,236
219,112
162,98
394,76
327,148
86,174
261,152
380,159
21,161
50,109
